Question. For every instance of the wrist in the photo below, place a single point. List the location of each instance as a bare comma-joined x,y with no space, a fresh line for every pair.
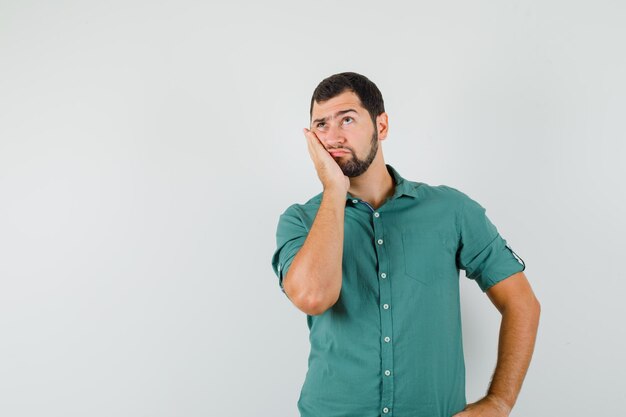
335,192
500,403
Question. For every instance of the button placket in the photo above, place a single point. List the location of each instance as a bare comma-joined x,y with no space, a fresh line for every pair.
385,311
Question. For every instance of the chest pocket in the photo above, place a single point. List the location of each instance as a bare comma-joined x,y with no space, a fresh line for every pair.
426,255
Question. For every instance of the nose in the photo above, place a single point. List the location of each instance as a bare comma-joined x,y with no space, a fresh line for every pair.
332,137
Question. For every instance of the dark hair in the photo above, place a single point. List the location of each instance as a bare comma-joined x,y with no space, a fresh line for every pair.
369,95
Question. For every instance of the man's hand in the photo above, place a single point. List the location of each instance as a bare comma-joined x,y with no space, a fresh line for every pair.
328,170
488,406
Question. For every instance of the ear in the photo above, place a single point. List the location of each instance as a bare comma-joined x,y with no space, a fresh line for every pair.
382,124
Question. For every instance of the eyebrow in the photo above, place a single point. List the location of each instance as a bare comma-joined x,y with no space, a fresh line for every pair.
339,113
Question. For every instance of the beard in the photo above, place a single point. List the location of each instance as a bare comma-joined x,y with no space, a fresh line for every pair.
355,166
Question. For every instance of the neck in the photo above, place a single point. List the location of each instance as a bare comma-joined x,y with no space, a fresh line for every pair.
375,185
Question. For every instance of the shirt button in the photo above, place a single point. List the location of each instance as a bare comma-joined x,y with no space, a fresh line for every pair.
387,339
385,306
355,201
383,275
385,410
376,214
387,372
380,241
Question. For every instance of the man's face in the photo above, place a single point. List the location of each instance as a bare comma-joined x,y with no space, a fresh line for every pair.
341,123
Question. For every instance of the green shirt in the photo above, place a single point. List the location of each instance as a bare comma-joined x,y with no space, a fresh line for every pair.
391,345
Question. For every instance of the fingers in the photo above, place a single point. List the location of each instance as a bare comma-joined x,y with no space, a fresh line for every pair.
309,142
313,142
311,135
328,170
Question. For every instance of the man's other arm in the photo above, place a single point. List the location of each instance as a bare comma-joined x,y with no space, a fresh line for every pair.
520,310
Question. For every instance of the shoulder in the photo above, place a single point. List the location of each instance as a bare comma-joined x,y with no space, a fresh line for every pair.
313,202
448,200
442,193
304,212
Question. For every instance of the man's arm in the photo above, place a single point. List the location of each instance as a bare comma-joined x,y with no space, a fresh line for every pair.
313,281
520,310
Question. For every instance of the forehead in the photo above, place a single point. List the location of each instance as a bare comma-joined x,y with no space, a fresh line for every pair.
345,100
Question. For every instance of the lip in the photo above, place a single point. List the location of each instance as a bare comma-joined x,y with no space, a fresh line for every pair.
338,152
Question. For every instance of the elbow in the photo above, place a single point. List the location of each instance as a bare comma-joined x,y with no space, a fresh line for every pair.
532,308
317,306
311,310
537,307
536,313
534,305
313,305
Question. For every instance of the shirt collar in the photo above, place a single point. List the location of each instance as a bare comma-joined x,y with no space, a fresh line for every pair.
403,186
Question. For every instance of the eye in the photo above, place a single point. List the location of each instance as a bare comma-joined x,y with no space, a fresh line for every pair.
319,125
348,117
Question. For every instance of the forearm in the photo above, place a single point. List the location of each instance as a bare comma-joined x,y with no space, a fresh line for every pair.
314,279
518,331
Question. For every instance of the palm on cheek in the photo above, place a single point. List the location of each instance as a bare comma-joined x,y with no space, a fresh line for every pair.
328,170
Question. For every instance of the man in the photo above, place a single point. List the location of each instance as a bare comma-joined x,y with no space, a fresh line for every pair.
374,259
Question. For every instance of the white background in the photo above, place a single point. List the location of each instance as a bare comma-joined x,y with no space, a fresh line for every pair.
147,149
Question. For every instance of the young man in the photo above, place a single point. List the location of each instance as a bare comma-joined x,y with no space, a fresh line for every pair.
374,261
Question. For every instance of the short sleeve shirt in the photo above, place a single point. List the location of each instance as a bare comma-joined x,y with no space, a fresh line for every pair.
392,345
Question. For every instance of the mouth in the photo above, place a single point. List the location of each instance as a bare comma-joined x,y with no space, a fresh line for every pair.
338,152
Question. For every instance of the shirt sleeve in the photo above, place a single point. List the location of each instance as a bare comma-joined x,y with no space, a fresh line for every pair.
290,236
483,253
